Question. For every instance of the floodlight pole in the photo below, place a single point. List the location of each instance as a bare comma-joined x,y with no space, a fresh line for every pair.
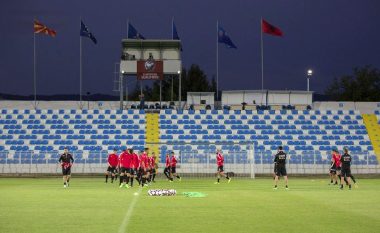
171,96
179,88
309,74
121,89
80,69
217,60
126,90
262,56
160,93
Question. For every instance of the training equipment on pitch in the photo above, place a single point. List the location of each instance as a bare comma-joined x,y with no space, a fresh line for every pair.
194,194
162,192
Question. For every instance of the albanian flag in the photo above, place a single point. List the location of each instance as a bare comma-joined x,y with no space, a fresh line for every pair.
270,29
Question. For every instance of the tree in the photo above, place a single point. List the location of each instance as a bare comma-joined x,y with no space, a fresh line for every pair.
134,96
193,80
362,85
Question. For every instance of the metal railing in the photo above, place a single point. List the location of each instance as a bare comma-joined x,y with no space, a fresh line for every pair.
244,162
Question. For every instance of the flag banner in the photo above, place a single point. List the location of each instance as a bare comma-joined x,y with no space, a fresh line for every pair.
86,33
270,29
225,39
133,33
175,33
40,28
150,70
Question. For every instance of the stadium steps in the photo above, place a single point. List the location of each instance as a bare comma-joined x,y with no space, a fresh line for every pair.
373,129
153,132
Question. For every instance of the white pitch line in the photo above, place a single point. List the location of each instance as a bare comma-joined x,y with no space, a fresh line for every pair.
124,224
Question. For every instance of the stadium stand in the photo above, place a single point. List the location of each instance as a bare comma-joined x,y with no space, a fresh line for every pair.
44,134
300,132
38,136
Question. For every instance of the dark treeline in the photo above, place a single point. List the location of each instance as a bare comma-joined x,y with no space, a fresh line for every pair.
362,85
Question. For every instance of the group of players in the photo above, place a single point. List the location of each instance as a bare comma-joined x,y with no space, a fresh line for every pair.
142,167
340,168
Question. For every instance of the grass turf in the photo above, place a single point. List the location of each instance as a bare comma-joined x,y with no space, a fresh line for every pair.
90,205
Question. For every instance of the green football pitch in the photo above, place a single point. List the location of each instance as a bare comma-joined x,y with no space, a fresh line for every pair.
244,205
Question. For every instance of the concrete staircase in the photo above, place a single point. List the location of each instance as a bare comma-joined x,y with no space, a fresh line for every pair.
153,133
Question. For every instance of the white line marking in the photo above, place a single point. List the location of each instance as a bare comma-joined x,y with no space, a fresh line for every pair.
124,224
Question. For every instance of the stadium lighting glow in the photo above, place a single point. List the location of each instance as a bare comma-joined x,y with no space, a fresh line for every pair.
123,72
309,72
178,71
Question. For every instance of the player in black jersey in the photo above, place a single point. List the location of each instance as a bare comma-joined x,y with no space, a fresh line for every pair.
280,163
66,160
346,168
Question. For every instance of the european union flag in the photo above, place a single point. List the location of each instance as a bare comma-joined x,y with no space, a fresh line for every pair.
86,33
175,33
225,39
133,33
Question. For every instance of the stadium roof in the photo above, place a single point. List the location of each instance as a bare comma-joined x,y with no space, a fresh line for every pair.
271,91
141,44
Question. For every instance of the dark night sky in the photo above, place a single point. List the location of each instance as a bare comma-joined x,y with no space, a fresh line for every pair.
331,37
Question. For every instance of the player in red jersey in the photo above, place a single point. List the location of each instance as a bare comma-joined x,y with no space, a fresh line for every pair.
121,175
148,165
173,166
145,167
153,166
66,160
125,168
336,160
113,161
333,177
167,166
136,166
220,169
140,172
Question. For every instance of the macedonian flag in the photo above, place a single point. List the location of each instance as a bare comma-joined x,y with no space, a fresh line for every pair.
40,28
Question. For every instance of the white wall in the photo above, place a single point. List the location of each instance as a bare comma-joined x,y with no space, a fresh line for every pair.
363,107
274,97
195,99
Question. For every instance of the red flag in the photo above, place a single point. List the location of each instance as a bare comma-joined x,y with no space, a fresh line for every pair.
40,28
270,29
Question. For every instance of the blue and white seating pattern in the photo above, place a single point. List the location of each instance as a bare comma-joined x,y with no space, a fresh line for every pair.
38,136
308,136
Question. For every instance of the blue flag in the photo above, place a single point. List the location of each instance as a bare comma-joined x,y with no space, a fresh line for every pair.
175,33
225,39
86,33
133,33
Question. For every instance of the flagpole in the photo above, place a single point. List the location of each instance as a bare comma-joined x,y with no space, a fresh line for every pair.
34,70
172,27
262,56
80,69
127,28
217,61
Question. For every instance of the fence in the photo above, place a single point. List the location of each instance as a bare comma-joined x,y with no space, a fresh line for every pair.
196,163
